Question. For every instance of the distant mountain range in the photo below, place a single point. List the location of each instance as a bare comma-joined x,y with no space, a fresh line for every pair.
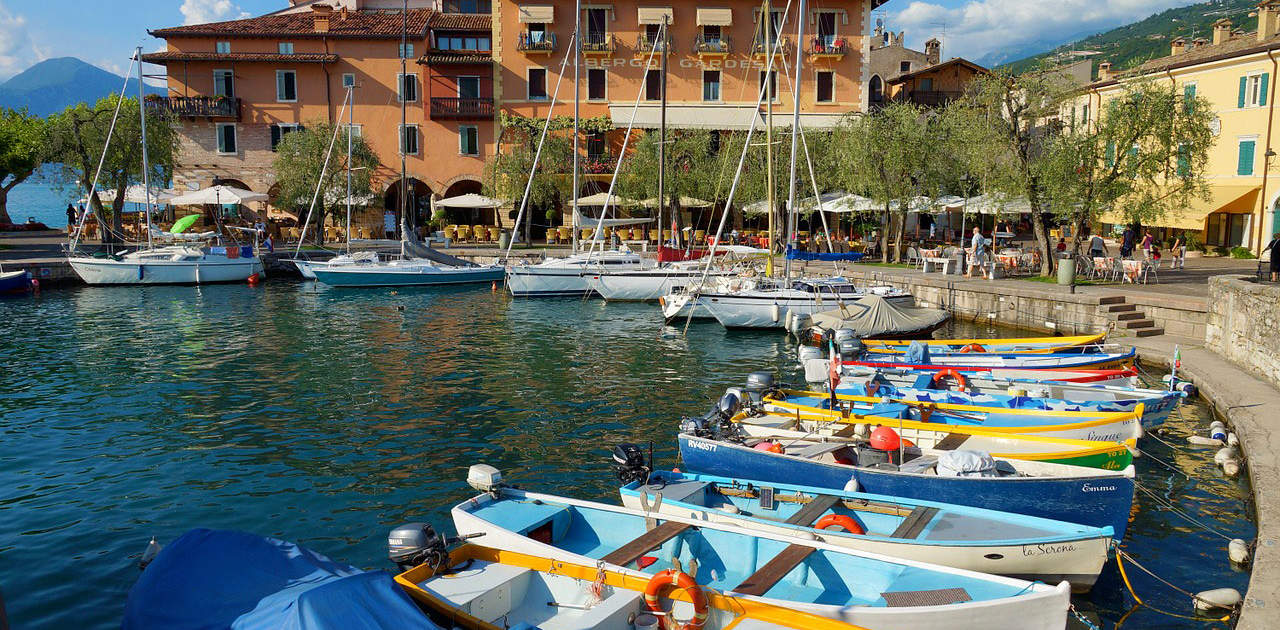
56,84
1132,44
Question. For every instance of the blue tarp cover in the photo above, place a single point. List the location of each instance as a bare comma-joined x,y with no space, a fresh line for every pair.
228,579
795,254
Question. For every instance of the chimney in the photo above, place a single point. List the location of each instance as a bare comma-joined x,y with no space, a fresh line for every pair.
1178,46
1104,71
321,13
1221,31
1199,42
933,52
1267,13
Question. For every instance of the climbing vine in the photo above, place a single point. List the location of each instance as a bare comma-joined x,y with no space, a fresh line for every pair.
532,127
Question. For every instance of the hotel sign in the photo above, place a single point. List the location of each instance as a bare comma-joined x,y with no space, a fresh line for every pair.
715,63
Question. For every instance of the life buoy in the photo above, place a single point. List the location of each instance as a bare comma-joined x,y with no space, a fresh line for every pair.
961,383
664,582
838,520
973,347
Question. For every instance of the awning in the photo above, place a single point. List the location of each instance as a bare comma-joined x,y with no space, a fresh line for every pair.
688,203
705,116
715,17
654,15
537,14
1237,199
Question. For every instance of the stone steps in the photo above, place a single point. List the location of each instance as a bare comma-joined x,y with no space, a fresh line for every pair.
1127,317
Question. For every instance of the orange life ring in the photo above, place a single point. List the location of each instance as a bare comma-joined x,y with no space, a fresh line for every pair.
973,347
961,383
838,520
664,582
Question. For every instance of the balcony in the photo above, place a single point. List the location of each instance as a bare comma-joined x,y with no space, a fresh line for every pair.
196,106
931,98
534,43
714,46
758,47
599,44
462,108
644,44
822,47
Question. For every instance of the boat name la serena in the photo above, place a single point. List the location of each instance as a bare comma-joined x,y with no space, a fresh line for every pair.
1042,549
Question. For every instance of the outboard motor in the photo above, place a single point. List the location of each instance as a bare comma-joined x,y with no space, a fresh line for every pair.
758,384
843,334
806,353
728,406
412,544
629,463
851,349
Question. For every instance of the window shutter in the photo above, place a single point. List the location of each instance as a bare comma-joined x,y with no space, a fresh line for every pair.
1245,165
1262,91
1111,154
1184,160
1243,85
275,136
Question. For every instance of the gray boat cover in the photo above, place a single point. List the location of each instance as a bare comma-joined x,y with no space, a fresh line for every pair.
874,316
416,249
964,463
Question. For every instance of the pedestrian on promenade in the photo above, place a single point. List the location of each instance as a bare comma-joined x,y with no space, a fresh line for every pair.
72,217
977,252
1178,253
1147,241
1126,243
1062,245
1274,246
1097,246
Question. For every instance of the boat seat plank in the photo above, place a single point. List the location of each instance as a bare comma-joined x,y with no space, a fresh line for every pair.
806,515
936,597
819,449
951,442
767,576
650,540
915,523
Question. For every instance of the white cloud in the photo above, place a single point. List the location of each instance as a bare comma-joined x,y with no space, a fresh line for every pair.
205,11
980,28
18,48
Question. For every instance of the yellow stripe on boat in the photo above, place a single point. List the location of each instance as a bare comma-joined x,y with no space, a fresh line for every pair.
1043,345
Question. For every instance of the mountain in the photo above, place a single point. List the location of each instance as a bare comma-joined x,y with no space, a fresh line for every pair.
1132,44
55,84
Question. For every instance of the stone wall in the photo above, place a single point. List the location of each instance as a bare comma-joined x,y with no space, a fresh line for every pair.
1242,325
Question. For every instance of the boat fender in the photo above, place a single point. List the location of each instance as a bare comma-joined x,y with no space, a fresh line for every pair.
1217,598
664,582
769,447
1238,551
786,321
1231,467
1197,440
1232,440
885,439
1225,455
940,375
860,430
35,284
843,522
851,485
973,347
1217,423
1218,433
776,313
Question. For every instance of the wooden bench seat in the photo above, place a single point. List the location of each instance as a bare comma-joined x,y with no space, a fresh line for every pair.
767,576
650,540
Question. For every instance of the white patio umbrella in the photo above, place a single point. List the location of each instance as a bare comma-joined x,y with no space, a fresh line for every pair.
600,198
134,194
218,195
470,200
685,202
851,203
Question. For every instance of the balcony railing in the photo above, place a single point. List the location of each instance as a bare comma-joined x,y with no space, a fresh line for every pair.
932,98
463,108
714,46
541,42
599,43
644,43
758,47
196,106
821,46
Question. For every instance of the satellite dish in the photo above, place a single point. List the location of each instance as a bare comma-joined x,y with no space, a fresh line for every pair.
880,22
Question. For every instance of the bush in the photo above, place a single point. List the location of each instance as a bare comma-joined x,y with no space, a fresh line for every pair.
1220,251
1242,252
1194,243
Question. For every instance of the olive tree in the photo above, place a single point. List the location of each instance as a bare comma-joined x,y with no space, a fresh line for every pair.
22,138
300,158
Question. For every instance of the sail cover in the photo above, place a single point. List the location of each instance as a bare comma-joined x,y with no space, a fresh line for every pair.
874,316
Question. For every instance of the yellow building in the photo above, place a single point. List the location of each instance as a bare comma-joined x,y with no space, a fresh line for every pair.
1235,73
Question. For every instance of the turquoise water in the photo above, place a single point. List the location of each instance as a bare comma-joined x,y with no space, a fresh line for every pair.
39,198
328,417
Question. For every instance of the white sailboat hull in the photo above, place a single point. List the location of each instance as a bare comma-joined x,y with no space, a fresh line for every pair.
770,311
208,270
531,282
644,285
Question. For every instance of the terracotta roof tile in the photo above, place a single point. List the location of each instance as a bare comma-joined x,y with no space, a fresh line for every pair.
460,21
1235,47
168,56
366,24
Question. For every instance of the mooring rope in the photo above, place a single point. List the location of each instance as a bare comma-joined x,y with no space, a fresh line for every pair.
1125,577
1165,503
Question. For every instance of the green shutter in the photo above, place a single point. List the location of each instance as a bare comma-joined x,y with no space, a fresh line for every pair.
1245,166
1111,154
1184,160
1262,91
1188,97
1243,82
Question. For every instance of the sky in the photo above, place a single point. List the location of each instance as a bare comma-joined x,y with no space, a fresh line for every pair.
104,32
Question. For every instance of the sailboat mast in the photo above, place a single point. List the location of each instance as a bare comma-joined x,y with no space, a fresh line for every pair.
351,125
404,125
146,166
767,24
795,137
577,53
662,134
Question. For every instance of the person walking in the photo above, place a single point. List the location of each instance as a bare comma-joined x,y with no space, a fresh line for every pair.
72,217
1126,243
1147,241
1178,253
977,252
1274,246
1097,246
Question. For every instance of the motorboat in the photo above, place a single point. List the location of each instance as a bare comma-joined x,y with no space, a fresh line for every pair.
14,282
962,537
172,264
872,317
569,276
646,285
984,360
399,273
771,305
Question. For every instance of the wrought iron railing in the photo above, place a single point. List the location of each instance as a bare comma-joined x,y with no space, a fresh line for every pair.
758,47
715,45
196,106
598,43
826,46
539,42
448,107
644,43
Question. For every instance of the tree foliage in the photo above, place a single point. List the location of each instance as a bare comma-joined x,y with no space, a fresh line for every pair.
300,158
21,152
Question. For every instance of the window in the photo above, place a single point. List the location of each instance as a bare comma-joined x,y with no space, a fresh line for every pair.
408,87
409,139
776,23
279,131
222,48
652,85
904,66
286,48
597,84
877,89
710,85
466,6
406,50
537,84
1253,90
827,27
1084,115
826,83
226,138
224,83
597,26
286,86
468,87
651,34
1244,164
348,80
926,84
355,131
772,77
460,42
469,140
711,34
595,146
537,33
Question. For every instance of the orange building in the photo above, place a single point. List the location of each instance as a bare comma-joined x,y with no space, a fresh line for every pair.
934,85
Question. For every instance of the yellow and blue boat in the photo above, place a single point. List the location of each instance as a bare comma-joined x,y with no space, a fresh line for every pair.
1020,345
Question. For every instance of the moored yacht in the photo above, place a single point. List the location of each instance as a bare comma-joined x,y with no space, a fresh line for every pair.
308,267
569,277
176,264
767,304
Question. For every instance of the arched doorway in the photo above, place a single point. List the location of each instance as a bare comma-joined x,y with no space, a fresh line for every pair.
876,90
468,216
418,203
230,212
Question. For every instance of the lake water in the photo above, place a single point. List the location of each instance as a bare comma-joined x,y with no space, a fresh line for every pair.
39,198
329,416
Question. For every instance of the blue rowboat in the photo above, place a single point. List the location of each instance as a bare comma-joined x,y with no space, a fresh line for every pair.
1013,545
980,360
924,387
14,282
813,576
404,273
1061,492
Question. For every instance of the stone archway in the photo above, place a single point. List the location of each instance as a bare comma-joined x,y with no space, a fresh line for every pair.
418,202
468,216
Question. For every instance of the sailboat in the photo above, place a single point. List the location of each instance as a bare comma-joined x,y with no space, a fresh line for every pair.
171,264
